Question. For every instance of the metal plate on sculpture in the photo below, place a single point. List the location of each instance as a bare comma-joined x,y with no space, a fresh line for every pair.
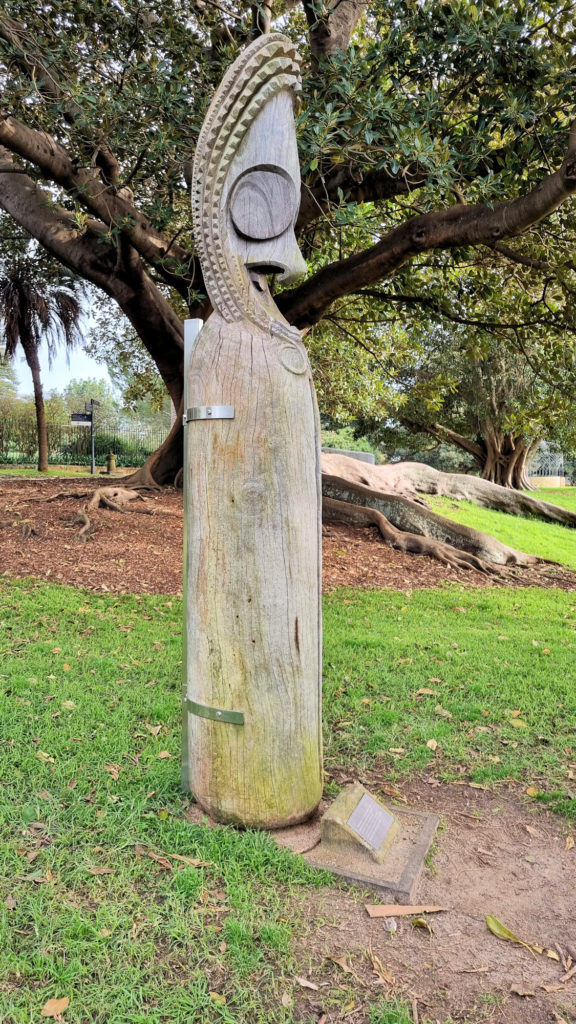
209,412
214,714
370,821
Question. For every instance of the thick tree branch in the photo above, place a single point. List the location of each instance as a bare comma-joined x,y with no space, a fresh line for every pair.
519,257
84,184
330,27
22,53
430,303
442,433
459,225
116,269
360,187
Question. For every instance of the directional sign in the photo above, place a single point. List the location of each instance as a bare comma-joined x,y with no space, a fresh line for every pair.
89,406
81,418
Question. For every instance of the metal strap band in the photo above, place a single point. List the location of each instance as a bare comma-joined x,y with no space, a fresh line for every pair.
209,412
215,714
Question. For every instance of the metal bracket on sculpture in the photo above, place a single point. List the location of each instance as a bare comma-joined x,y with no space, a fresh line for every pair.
215,714
208,412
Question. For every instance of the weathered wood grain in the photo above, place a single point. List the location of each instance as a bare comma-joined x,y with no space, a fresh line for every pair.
253,577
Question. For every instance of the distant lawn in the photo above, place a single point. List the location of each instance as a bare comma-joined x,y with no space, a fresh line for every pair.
535,537
30,472
53,471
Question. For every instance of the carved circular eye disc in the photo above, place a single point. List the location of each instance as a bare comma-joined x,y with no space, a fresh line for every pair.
263,205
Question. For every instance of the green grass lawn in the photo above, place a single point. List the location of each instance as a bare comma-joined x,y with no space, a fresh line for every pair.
535,537
95,905
487,675
53,471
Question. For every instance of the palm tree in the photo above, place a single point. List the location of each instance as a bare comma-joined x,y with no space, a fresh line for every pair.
34,308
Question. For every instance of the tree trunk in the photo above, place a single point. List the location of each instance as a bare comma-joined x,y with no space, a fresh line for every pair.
507,460
31,355
165,464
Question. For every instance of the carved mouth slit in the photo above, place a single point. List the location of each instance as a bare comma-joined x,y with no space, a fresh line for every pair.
258,276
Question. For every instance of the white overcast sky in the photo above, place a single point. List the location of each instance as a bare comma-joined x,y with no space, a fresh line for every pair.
82,367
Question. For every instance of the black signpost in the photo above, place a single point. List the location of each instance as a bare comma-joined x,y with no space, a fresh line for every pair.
86,419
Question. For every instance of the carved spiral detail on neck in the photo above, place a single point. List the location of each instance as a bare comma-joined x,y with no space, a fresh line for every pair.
267,67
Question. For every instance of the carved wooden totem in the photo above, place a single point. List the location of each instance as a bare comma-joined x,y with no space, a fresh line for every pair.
252,473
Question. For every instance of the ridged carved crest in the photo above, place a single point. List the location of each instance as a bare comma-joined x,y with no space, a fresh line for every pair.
226,193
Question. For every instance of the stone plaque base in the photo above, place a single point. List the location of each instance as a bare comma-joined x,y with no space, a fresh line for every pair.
396,872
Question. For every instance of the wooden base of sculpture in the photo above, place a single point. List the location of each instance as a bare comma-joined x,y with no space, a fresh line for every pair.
252,558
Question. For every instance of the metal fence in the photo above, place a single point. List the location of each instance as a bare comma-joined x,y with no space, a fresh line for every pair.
548,461
69,445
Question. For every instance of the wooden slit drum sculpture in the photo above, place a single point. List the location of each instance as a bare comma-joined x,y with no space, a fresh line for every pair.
252,468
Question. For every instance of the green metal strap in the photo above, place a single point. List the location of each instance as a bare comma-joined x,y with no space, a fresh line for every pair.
215,714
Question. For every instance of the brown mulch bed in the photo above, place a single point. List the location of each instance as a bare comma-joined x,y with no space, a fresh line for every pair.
133,552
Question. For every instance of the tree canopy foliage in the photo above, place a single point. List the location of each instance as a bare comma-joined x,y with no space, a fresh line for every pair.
438,154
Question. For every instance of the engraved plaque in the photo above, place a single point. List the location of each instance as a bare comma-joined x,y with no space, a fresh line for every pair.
370,821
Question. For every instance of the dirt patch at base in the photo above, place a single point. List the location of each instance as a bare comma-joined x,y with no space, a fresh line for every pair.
493,855
135,552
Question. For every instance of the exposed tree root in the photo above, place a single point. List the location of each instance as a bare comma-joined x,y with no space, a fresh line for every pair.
61,494
344,512
85,527
411,518
411,479
115,498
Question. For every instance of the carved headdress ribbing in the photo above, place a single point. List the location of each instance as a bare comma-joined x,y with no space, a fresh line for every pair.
267,67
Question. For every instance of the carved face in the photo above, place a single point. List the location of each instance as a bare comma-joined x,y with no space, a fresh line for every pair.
263,194
246,183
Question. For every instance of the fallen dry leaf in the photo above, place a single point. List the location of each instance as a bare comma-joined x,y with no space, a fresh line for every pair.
54,1007
162,861
398,910
192,862
101,871
304,983
382,972
113,769
518,990
442,711
553,988
569,844
421,922
154,729
532,831
532,791
164,754
424,691
69,705
43,756
390,790
432,744
217,997
286,1000
342,962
